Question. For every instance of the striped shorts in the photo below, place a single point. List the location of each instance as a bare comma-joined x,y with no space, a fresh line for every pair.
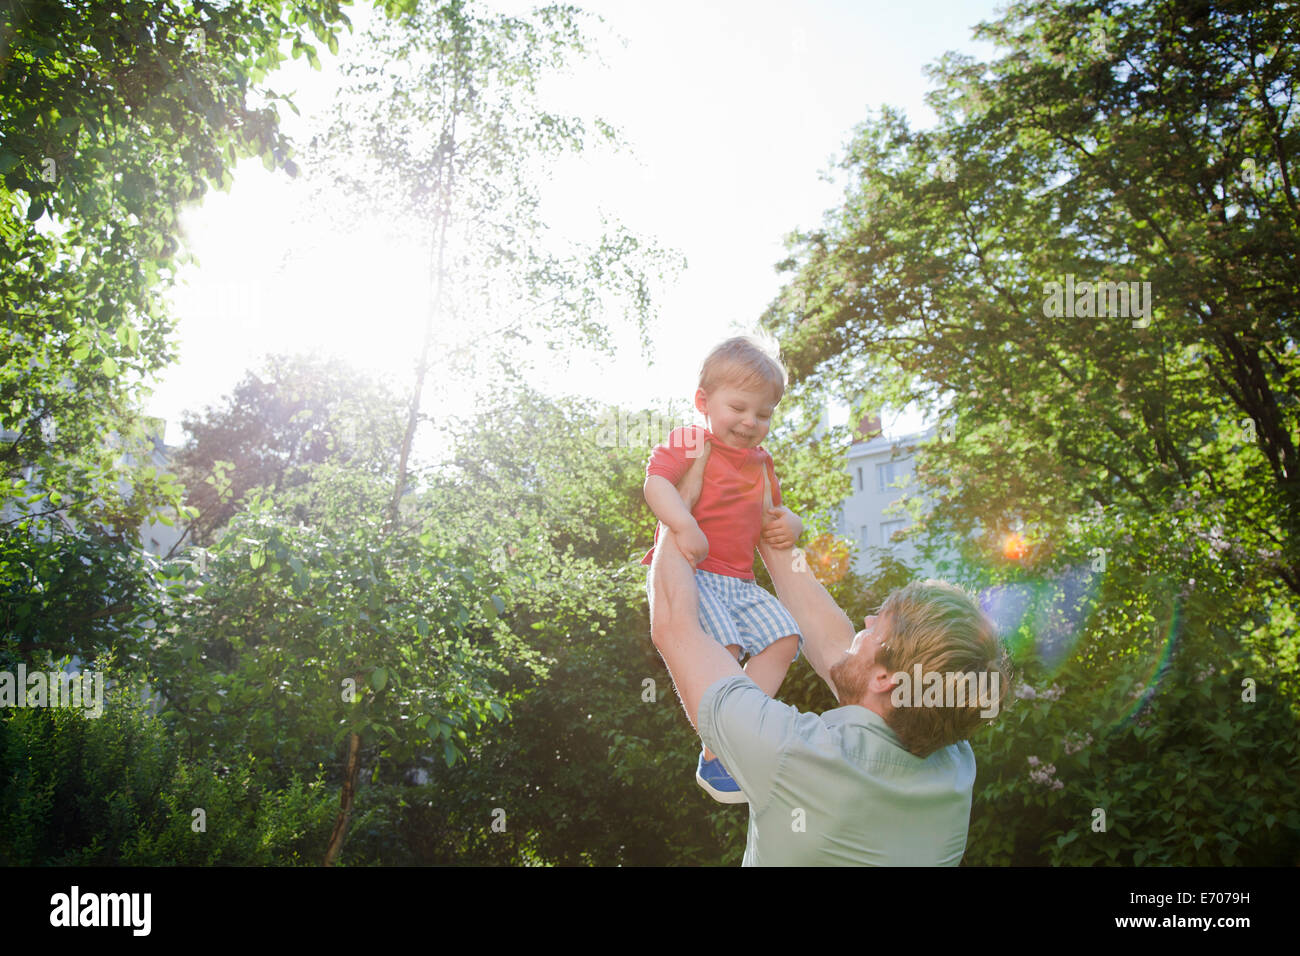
733,611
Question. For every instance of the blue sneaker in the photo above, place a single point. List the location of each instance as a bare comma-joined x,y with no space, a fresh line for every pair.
713,777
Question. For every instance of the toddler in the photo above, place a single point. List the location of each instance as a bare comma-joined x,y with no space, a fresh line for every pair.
740,386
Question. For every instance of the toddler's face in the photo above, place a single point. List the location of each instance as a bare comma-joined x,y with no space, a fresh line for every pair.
739,417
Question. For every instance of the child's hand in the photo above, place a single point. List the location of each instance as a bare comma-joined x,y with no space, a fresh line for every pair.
692,543
781,527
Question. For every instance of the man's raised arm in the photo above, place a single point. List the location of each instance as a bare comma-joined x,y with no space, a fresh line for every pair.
827,630
694,659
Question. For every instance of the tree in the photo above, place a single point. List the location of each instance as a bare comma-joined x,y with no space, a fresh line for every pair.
293,413
112,115
442,124
1087,273
1144,146
550,496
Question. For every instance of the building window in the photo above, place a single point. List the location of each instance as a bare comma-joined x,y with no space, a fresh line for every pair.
859,478
865,542
889,472
887,529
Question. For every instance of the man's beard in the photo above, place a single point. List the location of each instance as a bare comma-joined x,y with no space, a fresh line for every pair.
850,679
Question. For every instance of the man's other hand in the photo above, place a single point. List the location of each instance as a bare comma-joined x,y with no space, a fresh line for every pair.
692,482
693,543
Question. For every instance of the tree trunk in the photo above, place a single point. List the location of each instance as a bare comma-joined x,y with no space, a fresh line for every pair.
439,248
345,800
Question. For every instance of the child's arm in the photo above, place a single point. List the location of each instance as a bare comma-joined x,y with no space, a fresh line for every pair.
663,498
781,526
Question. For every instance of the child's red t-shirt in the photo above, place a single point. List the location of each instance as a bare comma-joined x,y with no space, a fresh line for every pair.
730,509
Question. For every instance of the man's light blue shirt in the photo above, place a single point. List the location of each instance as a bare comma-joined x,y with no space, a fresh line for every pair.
836,789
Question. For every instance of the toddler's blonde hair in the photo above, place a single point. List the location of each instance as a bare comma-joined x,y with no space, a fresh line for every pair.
744,361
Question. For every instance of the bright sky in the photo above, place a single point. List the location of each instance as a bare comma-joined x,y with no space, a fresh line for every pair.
732,109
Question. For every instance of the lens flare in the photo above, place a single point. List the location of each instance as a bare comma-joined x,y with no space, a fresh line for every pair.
1013,546
1045,616
1161,660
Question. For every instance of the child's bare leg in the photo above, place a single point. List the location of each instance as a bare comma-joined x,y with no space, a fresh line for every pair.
768,667
735,652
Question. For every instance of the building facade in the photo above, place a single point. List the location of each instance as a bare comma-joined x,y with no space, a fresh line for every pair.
882,474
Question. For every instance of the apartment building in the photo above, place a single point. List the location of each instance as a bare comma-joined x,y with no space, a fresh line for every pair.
881,472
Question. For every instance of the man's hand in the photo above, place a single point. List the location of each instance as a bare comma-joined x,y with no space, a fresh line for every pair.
692,482
692,542
672,505
827,631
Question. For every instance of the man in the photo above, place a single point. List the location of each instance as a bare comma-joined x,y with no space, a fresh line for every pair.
886,778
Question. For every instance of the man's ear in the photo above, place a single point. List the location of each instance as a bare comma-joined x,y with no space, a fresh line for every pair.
702,401
882,680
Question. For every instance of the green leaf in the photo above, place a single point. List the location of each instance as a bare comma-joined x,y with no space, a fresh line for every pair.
256,559
378,678
108,366
214,704
448,752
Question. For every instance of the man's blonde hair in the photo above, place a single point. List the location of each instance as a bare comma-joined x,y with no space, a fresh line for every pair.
744,361
941,627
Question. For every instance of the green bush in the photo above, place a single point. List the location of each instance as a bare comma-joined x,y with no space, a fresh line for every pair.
1184,770
114,790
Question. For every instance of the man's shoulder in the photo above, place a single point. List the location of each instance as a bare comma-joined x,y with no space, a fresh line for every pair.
736,684
751,733
738,694
775,721
725,688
